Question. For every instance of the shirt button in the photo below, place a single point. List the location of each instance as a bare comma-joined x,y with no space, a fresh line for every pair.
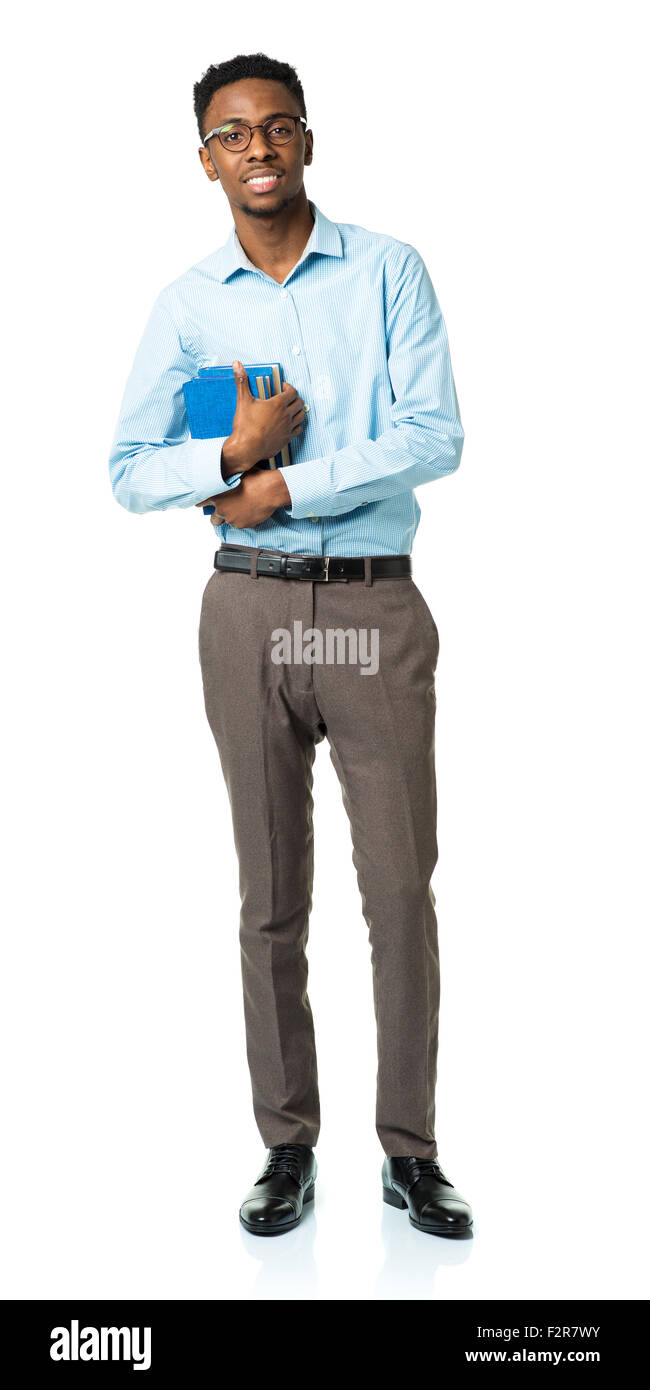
284,294
295,350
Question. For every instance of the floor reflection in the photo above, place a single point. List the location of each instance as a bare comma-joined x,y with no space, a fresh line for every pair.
413,1257
287,1268
284,1267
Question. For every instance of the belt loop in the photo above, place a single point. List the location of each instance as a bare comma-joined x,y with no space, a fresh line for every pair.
367,570
254,554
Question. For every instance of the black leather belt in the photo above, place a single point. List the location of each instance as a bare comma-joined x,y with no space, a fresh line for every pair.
321,568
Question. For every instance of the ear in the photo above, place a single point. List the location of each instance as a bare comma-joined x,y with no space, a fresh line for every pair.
206,161
309,146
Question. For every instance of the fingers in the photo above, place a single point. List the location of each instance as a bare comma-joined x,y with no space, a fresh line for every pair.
289,393
241,379
290,398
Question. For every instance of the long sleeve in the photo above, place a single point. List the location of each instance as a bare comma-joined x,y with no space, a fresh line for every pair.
154,463
425,439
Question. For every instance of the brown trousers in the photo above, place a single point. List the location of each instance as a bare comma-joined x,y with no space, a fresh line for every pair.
267,717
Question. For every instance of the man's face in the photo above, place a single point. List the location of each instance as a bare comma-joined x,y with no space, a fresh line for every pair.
254,100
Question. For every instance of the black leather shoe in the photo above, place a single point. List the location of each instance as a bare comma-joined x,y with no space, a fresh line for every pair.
433,1203
275,1202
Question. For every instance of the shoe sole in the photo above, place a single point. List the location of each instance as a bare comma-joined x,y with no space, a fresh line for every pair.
393,1199
280,1229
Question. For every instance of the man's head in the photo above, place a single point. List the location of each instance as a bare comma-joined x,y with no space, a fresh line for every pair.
252,88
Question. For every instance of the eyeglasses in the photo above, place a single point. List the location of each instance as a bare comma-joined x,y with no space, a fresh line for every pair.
237,135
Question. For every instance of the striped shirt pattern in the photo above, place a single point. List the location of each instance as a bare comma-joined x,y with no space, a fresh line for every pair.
358,330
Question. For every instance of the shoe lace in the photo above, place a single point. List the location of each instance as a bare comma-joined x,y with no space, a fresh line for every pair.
425,1167
284,1158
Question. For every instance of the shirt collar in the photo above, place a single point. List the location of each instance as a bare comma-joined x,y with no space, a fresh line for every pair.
325,239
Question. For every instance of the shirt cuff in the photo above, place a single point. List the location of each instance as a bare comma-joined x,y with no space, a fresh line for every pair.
232,480
310,488
202,465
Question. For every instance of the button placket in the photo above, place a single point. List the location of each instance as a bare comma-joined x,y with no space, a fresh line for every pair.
297,351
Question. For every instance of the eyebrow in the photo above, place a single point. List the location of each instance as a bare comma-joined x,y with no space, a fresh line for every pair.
228,119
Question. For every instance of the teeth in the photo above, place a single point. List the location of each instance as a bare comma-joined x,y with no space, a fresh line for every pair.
268,178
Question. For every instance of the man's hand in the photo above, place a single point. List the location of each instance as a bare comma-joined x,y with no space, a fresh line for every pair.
260,492
261,428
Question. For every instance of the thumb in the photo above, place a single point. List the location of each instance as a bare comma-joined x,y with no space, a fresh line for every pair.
241,378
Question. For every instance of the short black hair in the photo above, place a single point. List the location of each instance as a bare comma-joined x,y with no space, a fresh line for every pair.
234,70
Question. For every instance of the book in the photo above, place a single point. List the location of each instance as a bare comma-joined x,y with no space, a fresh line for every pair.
211,402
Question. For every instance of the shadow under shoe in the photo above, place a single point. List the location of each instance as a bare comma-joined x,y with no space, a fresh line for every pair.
433,1203
275,1202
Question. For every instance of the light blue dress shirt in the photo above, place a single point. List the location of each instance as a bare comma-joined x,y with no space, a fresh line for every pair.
358,330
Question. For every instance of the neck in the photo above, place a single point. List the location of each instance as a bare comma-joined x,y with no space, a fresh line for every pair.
278,239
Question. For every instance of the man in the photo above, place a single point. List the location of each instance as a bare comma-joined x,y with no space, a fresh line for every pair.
324,542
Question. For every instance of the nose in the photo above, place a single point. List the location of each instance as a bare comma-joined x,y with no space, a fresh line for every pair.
259,145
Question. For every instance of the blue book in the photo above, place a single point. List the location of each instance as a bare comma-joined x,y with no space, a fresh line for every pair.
211,401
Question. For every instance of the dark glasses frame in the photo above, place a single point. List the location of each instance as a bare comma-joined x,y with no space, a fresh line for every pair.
287,115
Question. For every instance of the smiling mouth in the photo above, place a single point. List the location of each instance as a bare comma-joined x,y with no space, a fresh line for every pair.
261,183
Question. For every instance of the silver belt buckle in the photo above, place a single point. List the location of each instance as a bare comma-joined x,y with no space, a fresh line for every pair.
327,568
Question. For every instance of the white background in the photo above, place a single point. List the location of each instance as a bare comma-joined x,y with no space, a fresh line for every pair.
504,141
